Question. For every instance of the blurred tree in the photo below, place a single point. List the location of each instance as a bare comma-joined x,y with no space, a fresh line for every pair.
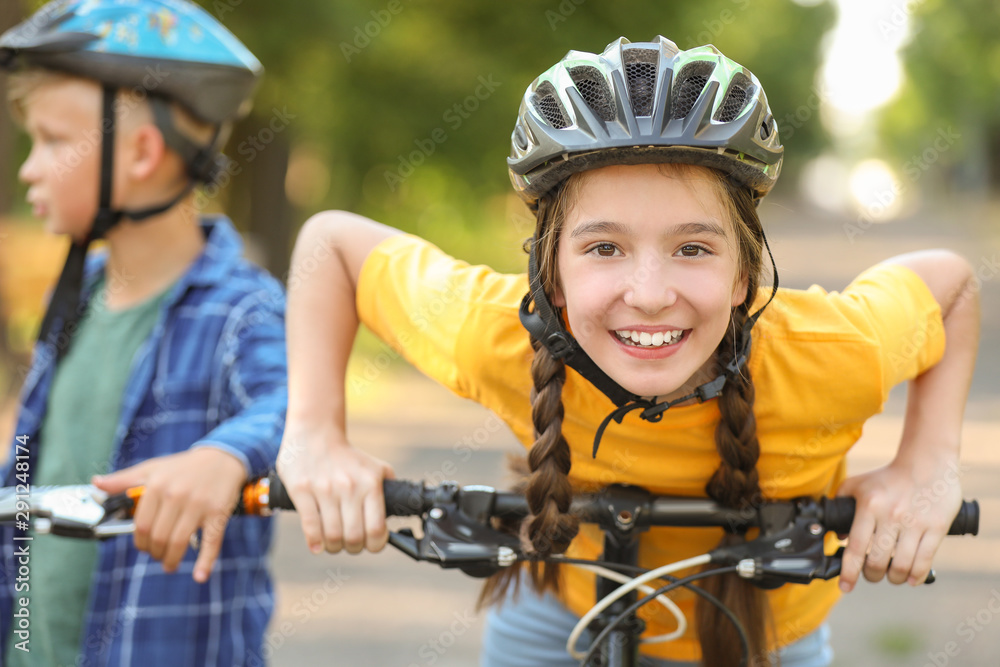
10,14
945,116
403,110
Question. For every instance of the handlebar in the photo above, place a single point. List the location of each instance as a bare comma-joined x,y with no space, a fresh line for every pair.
409,498
458,531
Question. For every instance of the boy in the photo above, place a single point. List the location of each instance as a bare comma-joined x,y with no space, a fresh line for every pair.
164,362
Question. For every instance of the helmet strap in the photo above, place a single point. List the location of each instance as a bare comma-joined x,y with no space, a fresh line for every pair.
64,309
204,163
544,324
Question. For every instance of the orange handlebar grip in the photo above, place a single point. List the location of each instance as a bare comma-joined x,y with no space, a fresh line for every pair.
256,498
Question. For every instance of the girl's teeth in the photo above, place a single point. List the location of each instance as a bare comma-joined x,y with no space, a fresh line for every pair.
646,339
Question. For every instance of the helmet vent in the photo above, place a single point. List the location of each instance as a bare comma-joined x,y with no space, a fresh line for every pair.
546,104
736,99
592,85
690,82
640,75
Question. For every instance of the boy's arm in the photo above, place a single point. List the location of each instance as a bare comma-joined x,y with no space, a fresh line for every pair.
199,488
904,510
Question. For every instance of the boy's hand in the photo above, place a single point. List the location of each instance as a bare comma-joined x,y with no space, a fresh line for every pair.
903,512
195,489
337,490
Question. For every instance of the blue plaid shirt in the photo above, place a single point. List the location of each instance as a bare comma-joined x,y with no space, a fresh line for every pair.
211,374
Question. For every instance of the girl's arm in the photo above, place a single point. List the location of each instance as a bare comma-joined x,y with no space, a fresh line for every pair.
337,490
904,509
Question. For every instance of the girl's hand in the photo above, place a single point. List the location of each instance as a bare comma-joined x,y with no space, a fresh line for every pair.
183,492
903,512
337,490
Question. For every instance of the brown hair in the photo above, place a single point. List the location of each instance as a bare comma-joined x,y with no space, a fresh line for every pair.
549,529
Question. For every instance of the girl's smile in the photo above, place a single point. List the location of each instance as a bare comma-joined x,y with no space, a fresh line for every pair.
650,342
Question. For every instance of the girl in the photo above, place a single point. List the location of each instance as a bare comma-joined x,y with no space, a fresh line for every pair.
643,166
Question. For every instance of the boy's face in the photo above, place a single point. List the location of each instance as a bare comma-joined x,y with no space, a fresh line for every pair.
63,119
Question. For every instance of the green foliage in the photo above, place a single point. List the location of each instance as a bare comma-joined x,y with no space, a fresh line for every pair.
952,65
385,93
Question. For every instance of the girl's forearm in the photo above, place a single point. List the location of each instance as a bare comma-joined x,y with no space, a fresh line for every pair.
937,398
321,324
322,318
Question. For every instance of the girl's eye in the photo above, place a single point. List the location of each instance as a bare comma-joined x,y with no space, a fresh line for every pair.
605,249
693,251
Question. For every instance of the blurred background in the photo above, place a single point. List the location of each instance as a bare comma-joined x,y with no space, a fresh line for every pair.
401,110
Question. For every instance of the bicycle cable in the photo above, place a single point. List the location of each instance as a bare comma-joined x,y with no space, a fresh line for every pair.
625,589
635,569
744,640
648,590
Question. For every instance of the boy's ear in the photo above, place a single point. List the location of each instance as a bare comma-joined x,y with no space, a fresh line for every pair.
146,151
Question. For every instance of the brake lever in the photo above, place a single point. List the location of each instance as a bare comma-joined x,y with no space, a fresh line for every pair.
80,511
458,534
789,549
836,561
795,554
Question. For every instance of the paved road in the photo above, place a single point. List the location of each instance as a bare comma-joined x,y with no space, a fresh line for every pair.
389,611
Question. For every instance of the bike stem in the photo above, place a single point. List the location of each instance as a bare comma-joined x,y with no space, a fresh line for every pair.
626,519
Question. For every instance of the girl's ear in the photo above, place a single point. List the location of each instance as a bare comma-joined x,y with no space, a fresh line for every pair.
740,291
558,298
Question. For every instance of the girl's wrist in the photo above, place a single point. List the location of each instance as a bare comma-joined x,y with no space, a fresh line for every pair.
927,455
313,427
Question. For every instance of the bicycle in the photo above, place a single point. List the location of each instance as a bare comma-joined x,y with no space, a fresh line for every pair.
458,532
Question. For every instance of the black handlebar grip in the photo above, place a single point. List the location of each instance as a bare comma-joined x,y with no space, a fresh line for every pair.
838,514
278,498
967,521
404,498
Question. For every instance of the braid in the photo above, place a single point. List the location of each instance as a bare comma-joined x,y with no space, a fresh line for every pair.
549,528
736,482
543,479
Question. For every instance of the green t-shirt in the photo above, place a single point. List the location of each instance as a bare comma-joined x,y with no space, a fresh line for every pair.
76,439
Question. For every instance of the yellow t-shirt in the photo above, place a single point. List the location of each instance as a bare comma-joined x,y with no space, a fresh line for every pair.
822,363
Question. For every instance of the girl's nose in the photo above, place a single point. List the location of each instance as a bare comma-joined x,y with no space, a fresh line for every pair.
650,288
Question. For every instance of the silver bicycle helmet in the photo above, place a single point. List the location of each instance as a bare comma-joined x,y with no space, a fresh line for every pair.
640,103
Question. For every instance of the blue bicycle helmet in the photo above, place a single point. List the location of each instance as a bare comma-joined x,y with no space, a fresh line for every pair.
169,50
